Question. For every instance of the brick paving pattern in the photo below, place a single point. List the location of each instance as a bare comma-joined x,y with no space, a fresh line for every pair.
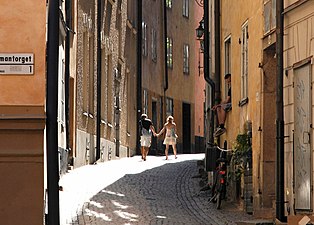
163,195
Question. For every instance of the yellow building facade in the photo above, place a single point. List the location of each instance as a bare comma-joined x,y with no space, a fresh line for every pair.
169,68
248,55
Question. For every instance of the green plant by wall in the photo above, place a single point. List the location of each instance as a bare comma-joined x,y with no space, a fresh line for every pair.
240,156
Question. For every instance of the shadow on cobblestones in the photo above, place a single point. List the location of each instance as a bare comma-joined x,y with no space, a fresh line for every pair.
163,195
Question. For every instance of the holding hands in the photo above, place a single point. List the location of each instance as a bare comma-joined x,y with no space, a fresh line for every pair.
155,134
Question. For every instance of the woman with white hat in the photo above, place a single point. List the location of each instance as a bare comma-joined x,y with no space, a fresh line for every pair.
170,137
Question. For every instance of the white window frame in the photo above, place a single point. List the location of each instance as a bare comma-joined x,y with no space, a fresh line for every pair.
169,106
169,52
227,60
61,107
244,60
269,16
154,45
185,8
145,101
144,39
186,59
169,4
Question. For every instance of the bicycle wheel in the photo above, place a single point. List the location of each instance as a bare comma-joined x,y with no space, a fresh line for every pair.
218,198
214,200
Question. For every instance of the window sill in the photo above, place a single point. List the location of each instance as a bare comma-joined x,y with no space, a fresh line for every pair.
243,102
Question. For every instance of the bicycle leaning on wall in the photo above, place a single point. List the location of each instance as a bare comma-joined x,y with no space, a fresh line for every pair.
219,188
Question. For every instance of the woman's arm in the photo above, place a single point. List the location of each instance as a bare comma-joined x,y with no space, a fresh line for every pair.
161,131
153,130
175,130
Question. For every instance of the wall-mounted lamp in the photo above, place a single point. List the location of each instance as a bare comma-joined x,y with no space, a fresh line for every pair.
200,3
200,30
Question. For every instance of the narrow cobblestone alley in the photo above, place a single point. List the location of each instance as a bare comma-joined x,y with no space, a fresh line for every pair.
164,194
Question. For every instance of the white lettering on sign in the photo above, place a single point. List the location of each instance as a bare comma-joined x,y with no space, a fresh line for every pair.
16,63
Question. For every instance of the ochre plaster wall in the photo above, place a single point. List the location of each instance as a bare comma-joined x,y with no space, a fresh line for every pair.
22,116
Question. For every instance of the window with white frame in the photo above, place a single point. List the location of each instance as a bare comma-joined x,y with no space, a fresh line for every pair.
84,73
169,52
227,60
154,45
185,8
144,38
61,106
228,55
244,61
169,106
169,4
145,101
186,59
91,87
269,15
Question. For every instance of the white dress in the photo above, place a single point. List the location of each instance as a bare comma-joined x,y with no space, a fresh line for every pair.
171,137
146,138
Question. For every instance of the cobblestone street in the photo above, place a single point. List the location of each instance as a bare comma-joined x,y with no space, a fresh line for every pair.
164,194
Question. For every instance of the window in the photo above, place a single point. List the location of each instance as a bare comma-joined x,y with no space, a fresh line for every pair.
103,81
84,73
169,106
269,15
154,45
119,15
228,55
169,4
185,8
244,61
119,5
185,59
169,53
91,77
109,89
108,18
144,38
61,106
227,60
145,99
131,13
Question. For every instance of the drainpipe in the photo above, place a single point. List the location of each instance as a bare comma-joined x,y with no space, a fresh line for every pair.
166,81
139,71
52,113
166,84
217,51
206,65
98,119
280,166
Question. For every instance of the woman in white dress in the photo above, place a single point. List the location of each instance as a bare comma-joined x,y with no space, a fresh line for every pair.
170,137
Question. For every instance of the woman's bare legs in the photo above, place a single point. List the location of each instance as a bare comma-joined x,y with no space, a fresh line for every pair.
166,151
174,151
146,149
143,151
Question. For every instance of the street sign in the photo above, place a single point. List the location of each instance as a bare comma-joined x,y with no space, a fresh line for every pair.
16,63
